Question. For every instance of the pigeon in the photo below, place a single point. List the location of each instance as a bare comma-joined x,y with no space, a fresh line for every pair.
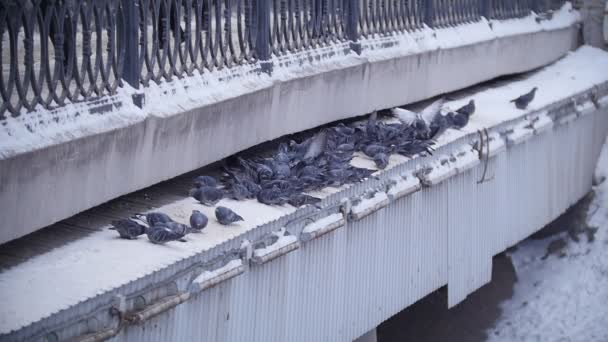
154,218
439,125
427,115
458,120
179,228
372,150
381,160
239,191
198,220
467,109
128,229
205,181
226,216
207,195
523,101
317,146
161,234
404,115
271,196
299,200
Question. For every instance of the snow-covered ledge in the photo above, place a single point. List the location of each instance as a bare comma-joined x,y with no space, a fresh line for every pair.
52,167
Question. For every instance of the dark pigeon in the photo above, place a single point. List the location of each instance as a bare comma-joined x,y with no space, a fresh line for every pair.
523,101
207,195
458,120
381,160
205,181
271,196
467,109
198,220
128,229
299,200
161,234
239,192
177,227
226,216
439,125
372,150
154,218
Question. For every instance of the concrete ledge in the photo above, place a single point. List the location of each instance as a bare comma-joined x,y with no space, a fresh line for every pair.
45,185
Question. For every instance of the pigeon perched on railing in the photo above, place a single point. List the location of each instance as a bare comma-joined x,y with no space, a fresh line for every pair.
226,216
198,221
523,101
128,229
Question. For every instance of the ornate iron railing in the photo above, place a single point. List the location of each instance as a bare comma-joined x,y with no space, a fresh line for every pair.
55,52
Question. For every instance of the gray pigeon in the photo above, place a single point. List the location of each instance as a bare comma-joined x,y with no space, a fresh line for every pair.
523,101
198,220
381,160
299,200
239,191
207,195
439,125
154,218
128,229
467,109
271,196
177,227
205,181
372,150
458,120
226,216
161,234
317,146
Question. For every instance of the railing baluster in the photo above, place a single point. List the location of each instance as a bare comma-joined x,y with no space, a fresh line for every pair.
262,45
129,34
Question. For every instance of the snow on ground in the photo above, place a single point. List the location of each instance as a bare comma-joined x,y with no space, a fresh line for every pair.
562,296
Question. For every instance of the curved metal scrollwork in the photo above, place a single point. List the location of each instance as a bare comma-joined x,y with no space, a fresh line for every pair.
55,52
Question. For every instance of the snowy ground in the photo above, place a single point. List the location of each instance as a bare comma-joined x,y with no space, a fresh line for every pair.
562,288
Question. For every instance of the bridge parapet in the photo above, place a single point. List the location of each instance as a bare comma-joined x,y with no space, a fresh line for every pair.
90,152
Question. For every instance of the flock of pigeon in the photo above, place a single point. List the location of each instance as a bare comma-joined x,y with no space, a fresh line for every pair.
297,168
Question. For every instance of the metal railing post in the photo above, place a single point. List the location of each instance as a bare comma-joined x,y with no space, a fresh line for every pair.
130,46
486,8
429,14
352,26
262,46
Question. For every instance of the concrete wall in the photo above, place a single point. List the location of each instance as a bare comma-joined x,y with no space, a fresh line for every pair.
44,186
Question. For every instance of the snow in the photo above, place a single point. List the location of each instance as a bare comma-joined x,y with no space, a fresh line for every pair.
369,205
404,187
324,225
31,131
268,252
48,280
207,276
561,298
542,123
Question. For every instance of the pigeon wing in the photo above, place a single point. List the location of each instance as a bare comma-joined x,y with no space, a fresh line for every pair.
428,114
406,116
